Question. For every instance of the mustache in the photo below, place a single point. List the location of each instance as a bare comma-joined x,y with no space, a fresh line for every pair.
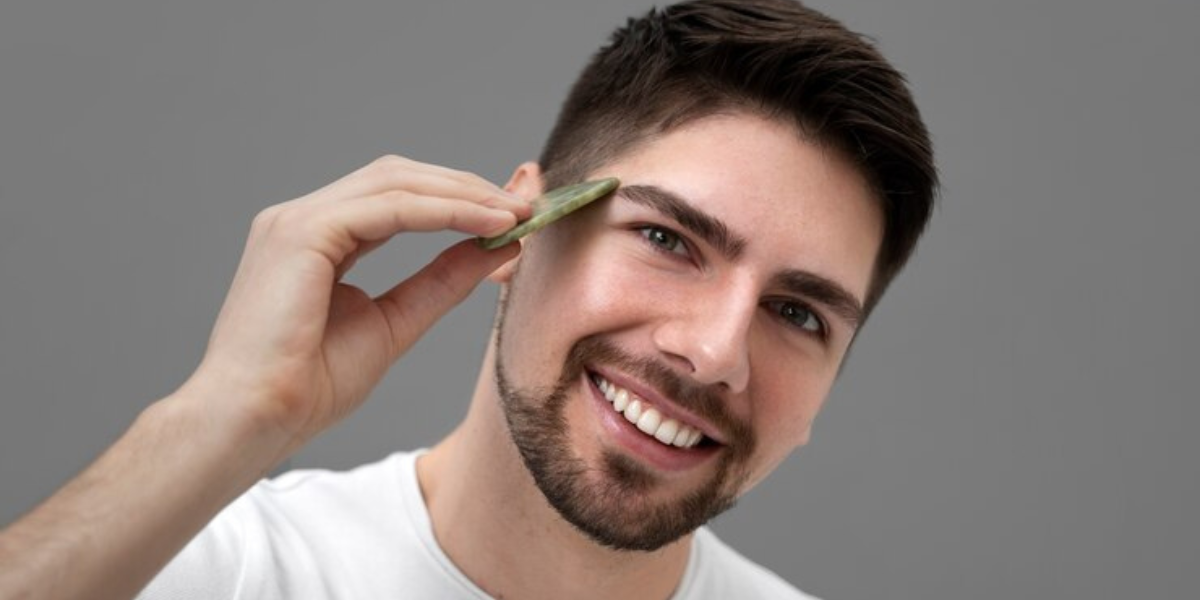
706,401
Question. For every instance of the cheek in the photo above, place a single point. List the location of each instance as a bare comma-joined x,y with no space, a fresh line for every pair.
600,280
616,289
563,292
783,419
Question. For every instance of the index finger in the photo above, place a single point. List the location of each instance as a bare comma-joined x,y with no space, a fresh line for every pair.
382,216
391,173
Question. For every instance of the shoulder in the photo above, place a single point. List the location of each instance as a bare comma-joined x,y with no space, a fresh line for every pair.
718,571
357,489
293,532
323,511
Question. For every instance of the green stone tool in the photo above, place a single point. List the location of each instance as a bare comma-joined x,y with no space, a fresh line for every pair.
552,206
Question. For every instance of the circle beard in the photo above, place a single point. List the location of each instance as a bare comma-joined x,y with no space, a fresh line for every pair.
608,503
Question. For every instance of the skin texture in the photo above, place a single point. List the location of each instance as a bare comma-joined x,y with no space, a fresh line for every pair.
713,321
294,350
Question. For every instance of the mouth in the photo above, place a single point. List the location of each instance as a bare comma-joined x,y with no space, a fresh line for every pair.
649,429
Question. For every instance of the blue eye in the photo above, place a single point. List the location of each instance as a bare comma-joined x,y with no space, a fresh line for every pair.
664,239
798,315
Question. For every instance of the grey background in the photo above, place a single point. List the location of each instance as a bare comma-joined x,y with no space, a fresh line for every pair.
1016,421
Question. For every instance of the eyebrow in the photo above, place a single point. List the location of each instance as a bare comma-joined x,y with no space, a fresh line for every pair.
708,228
825,291
801,283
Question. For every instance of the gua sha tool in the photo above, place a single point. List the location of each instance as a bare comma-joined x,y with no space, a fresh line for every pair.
552,206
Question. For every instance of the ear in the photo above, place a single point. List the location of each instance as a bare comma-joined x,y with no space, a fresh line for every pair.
526,182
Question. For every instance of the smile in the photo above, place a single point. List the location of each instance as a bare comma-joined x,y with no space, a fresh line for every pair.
646,418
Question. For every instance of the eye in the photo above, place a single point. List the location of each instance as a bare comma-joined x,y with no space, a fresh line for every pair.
798,315
664,240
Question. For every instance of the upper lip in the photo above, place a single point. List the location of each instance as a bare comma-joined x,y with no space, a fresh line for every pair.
661,403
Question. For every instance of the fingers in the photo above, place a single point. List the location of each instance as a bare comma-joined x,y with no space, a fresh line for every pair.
416,303
392,173
380,217
354,215
344,230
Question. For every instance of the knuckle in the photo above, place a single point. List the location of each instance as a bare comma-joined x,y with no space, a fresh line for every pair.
389,162
294,225
286,218
456,218
464,176
442,279
396,195
391,170
289,227
265,219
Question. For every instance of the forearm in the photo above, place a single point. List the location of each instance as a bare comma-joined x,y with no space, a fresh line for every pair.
110,530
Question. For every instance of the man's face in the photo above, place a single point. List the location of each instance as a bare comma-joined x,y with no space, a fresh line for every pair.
712,298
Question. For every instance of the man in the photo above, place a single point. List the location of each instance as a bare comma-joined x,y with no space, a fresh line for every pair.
655,354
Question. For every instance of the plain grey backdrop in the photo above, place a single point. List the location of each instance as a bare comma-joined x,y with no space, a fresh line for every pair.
1016,421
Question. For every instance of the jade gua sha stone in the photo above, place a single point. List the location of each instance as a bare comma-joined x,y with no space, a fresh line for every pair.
552,206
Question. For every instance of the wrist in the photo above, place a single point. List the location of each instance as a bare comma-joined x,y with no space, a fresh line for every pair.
248,440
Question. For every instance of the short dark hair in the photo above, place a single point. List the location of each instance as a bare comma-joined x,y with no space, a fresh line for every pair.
775,58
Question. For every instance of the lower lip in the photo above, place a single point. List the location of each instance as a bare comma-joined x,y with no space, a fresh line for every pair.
648,449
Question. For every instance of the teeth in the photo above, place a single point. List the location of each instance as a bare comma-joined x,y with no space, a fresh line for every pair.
647,419
633,412
620,400
682,437
666,432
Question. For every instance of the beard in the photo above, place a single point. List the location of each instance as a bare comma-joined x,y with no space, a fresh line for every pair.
610,502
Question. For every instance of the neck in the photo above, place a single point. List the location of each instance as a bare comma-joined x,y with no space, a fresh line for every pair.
494,523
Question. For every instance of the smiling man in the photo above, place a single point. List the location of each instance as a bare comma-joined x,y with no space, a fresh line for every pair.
656,354
709,320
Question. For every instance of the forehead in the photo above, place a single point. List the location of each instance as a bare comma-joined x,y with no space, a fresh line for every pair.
798,205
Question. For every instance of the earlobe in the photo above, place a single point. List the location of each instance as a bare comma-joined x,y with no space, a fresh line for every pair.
526,182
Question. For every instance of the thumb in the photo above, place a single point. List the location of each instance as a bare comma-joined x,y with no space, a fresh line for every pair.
416,303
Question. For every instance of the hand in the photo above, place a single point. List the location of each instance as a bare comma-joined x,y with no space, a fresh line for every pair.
297,350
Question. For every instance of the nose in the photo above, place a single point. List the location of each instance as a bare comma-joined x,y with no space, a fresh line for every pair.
708,334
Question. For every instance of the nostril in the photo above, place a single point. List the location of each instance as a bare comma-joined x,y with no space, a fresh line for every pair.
680,362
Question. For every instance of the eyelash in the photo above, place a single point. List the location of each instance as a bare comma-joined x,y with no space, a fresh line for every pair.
777,306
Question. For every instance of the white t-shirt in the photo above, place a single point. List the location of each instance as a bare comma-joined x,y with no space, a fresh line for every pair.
365,534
